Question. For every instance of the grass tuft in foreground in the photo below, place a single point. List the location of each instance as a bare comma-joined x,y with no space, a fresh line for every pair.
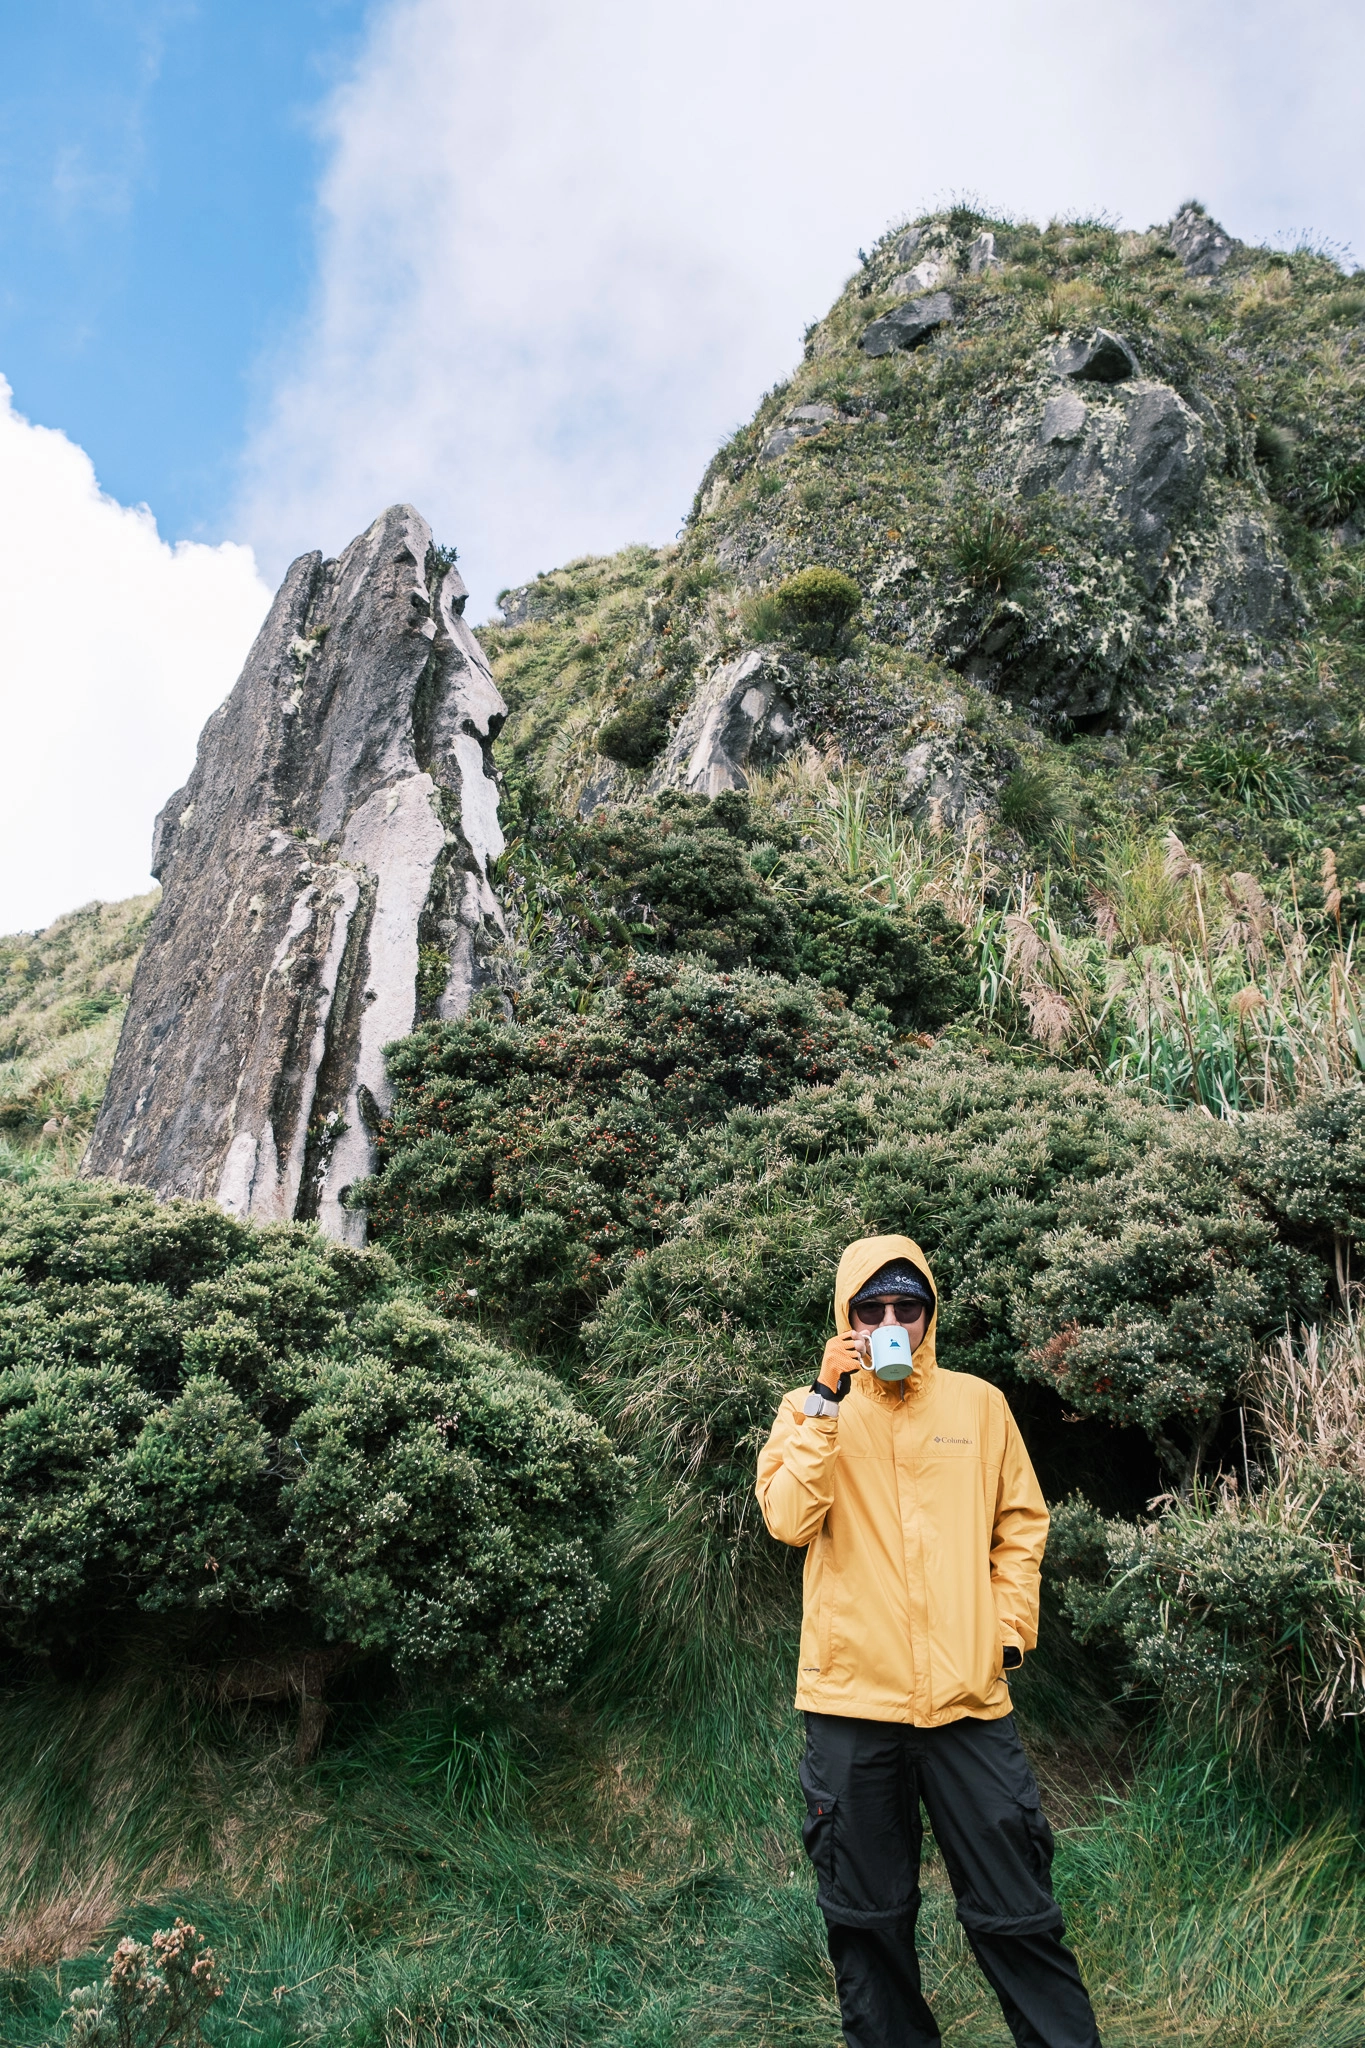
576,1879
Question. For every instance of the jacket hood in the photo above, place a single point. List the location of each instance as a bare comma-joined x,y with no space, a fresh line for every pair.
863,1258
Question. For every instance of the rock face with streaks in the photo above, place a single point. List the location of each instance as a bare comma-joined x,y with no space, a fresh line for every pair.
740,719
326,885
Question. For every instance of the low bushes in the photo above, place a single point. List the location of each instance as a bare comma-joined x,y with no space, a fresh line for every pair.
733,887
816,604
212,1434
812,609
1126,1257
1145,1303
525,1167
1242,1606
635,733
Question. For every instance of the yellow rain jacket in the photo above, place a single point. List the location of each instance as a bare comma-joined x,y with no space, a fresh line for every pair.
923,1527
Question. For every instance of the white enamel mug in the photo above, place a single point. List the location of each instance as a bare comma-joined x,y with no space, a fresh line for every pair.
891,1355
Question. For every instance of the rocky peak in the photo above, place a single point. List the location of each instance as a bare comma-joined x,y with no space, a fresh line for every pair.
325,878
1088,483
1202,246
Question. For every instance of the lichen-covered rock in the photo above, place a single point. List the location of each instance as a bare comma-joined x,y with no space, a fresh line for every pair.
325,882
981,256
798,424
1137,456
939,783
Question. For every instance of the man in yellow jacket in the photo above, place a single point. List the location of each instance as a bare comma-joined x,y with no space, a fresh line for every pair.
923,1528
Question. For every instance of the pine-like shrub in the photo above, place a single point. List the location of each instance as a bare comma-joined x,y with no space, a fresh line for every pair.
690,876
1147,1302
1128,1257
975,1157
816,605
1124,1254
525,1167
213,1434
918,971
635,733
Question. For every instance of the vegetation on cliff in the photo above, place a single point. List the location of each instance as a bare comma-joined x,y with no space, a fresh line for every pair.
62,998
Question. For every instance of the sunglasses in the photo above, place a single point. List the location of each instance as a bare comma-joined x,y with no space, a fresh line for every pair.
871,1313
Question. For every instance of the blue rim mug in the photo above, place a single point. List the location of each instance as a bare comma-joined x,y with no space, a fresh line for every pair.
891,1355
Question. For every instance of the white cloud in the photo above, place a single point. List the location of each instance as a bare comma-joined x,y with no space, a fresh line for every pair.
564,248
114,648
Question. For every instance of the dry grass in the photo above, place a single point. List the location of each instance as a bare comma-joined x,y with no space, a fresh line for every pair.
1309,1394
39,1936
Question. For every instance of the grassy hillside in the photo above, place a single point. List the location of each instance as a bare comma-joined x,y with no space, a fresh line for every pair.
1034,932
63,992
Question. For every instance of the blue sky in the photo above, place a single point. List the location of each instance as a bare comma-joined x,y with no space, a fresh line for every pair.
158,168
267,266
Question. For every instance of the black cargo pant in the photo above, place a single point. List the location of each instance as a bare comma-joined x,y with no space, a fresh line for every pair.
864,1781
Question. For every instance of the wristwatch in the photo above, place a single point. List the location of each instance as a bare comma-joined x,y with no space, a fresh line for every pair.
821,1400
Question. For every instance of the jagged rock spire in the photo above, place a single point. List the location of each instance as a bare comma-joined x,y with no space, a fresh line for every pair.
326,879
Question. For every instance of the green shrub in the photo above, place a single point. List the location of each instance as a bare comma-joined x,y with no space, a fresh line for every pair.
1127,1256
636,733
918,970
1147,1302
207,1429
1224,1608
1308,1169
812,608
525,1167
676,878
1242,1605
686,876
970,1155
975,1157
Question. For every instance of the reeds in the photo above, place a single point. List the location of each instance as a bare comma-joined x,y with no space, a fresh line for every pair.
1197,984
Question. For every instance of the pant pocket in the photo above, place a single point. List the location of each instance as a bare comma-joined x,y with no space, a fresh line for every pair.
817,1830
1041,1843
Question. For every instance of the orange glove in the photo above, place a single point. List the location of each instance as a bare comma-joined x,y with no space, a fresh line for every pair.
842,1354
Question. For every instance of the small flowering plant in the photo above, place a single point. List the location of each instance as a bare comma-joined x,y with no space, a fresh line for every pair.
153,1997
